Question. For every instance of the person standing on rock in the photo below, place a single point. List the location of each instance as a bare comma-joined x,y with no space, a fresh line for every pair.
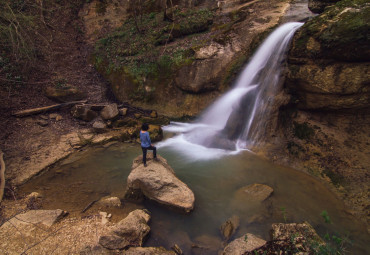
146,144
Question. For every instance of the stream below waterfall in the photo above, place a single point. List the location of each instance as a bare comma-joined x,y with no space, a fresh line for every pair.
100,171
214,170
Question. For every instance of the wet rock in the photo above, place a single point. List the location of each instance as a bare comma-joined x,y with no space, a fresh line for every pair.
244,244
158,182
148,251
229,227
123,111
254,193
65,93
130,231
109,112
303,234
46,217
109,202
83,112
177,249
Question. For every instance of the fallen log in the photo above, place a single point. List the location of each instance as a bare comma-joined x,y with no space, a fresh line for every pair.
2,175
33,111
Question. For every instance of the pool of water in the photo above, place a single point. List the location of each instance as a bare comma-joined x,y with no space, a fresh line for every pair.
95,172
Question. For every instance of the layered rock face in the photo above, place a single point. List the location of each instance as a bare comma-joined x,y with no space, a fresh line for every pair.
318,6
329,59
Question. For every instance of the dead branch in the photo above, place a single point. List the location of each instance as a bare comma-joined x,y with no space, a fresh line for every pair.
88,206
2,175
33,111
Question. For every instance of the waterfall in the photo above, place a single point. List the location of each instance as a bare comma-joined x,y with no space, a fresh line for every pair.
237,119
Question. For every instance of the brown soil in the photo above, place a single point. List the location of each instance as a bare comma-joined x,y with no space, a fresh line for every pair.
63,58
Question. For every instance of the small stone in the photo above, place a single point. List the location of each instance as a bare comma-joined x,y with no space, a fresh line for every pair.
229,227
34,195
99,125
55,116
110,202
44,117
123,111
153,114
137,115
42,123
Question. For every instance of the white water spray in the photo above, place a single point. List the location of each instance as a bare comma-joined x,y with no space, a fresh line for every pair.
236,121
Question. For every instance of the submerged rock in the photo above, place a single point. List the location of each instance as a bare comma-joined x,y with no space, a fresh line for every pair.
109,202
254,192
158,182
229,227
244,244
131,231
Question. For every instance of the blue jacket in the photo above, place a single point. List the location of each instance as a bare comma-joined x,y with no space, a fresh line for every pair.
145,139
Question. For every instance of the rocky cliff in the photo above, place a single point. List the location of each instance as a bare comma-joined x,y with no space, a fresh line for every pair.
329,60
324,129
179,63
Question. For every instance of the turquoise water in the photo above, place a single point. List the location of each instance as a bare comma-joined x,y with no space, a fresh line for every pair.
90,174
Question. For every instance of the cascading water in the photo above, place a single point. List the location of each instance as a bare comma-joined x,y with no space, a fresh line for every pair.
237,120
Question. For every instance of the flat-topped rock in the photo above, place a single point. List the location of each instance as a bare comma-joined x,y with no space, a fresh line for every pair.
244,244
158,182
46,217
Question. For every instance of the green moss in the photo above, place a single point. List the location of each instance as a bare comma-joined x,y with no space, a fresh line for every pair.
303,131
335,178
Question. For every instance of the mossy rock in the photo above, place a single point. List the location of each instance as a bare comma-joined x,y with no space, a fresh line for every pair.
64,93
155,132
340,33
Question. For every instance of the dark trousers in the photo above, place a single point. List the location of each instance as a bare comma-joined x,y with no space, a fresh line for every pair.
152,148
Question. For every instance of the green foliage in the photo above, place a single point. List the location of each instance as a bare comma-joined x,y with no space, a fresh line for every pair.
303,131
326,217
143,55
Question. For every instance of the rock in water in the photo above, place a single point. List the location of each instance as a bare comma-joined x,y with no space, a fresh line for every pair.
255,192
229,227
158,182
131,231
244,244
302,235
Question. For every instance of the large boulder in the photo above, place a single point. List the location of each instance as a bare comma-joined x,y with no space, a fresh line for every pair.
244,244
131,231
158,182
302,235
109,112
204,73
329,59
